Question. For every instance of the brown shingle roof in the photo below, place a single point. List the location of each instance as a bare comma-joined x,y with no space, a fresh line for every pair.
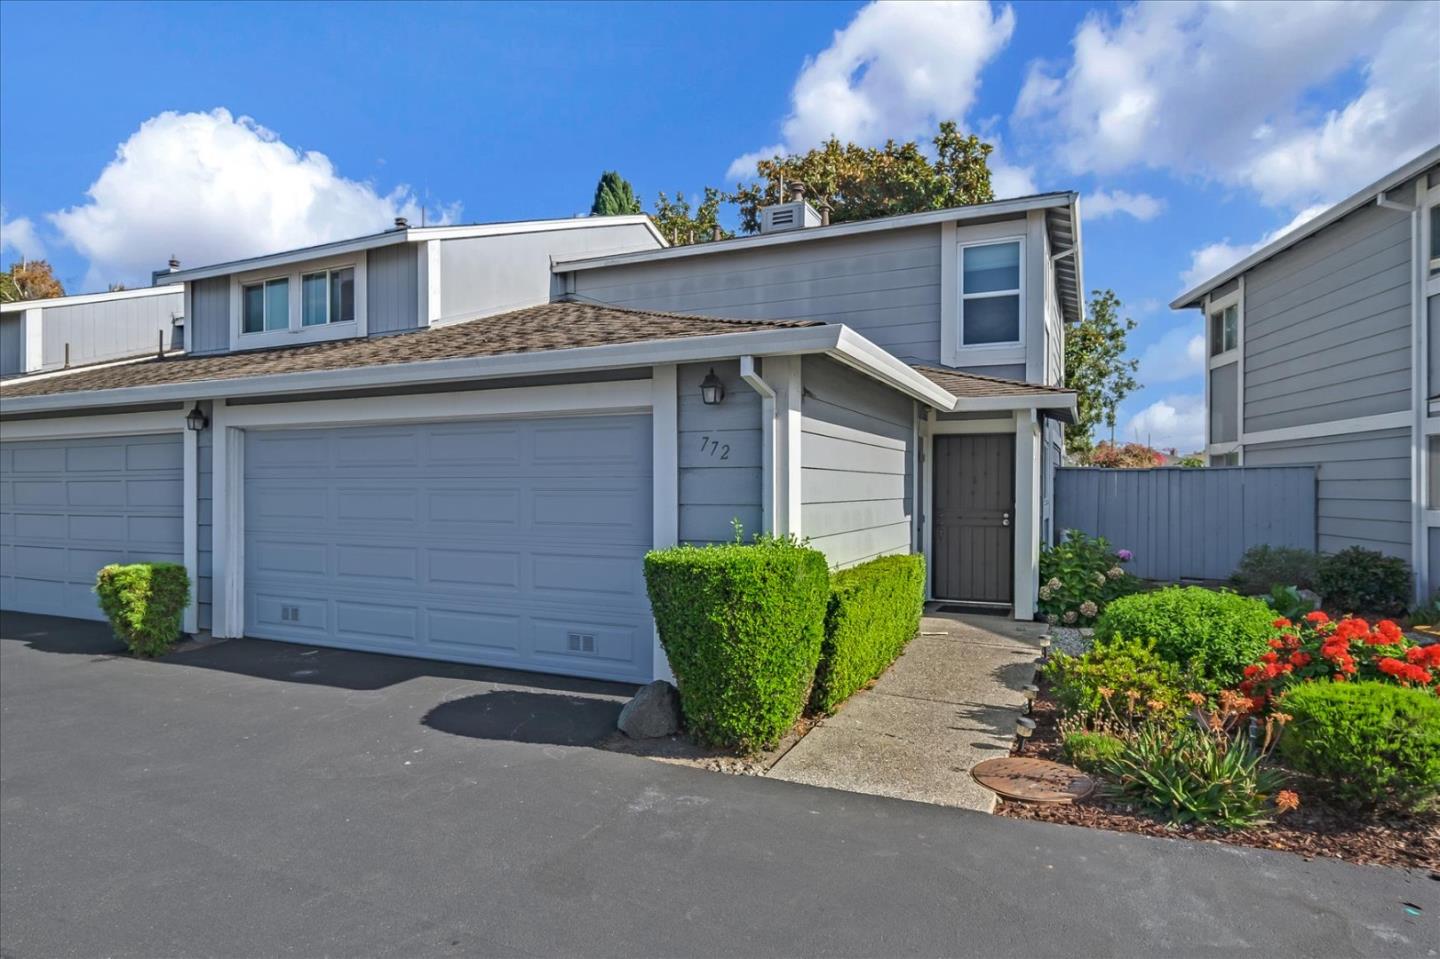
552,326
974,385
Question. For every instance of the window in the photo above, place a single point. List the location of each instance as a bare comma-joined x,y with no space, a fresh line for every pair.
1435,239
266,306
990,294
1224,330
327,297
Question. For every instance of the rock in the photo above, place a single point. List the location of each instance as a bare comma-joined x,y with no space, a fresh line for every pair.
654,712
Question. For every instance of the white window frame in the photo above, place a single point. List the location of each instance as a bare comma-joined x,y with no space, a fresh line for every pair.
326,272
1235,355
1219,307
264,284
294,333
962,296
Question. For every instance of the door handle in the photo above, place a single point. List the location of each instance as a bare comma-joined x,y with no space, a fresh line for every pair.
1004,519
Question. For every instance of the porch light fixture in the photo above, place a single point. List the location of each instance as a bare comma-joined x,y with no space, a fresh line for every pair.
195,420
712,391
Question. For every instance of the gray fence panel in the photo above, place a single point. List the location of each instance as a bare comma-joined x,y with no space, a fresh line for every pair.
1189,523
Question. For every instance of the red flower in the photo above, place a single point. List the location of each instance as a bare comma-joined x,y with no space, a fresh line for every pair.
1269,657
1282,623
1300,658
1316,617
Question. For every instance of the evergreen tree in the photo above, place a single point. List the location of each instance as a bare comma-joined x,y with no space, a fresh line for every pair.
614,196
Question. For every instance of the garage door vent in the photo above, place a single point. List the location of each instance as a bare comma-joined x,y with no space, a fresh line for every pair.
581,642
290,614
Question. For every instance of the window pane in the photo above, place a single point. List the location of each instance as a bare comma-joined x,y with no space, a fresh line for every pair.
1232,319
993,319
254,309
312,299
277,304
1217,333
1435,232
342,296
991,268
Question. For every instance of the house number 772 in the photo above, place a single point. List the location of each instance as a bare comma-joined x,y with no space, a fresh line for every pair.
714,448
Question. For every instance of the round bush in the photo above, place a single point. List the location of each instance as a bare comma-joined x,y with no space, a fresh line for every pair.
1369,743
1364,582
1212,635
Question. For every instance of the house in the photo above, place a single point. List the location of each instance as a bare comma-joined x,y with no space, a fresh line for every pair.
1324,348
458,442
38,336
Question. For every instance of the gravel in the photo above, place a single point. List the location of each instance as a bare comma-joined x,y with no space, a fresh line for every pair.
1072,641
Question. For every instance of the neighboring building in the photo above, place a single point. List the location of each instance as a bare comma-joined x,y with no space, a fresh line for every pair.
40,336
1324,348
437,442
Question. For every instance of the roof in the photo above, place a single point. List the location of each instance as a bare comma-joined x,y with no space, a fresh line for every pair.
1355,201
19,306
972,390
1062,216
414,235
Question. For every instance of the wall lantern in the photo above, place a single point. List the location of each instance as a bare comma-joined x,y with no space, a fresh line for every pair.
195,420
712,391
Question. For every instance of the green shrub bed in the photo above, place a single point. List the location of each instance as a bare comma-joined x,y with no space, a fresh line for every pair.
874,611
145,603
1214,636
742,627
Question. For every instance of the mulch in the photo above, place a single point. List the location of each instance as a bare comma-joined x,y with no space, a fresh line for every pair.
1314,830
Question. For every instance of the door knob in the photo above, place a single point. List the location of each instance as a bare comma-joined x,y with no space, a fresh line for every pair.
1004,519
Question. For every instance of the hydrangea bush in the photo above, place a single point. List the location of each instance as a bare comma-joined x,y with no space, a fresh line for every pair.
1079,576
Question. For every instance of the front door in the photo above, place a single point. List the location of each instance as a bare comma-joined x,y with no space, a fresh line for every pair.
974,535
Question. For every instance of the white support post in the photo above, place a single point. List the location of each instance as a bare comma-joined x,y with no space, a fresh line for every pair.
228,528
783,374
664,425
32,340
190,512
1027,513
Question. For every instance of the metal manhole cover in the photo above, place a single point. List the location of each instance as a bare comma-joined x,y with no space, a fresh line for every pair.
1033,780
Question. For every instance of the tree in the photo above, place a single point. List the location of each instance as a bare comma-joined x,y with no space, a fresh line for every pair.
1096,368
1130,456
29,280
680,225
614,196
861,183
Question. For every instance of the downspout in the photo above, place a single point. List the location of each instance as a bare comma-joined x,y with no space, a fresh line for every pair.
749,374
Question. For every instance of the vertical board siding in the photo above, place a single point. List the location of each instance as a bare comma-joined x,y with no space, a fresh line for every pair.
108,330
856,455
392,277
720,456
208,325
1189,523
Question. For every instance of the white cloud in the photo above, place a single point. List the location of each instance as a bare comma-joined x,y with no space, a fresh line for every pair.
1141,206
1225,90
1179,354
894,71
1175,422
1216,257
1008,180
210,187
19,237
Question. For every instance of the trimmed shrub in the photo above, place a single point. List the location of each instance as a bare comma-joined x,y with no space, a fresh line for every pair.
1358,580
1124,680
145,603
1368,743
1090,751
1264,567
874,612
742,626
1212,635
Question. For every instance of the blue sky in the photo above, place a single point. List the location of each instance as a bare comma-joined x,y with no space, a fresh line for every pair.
1194,131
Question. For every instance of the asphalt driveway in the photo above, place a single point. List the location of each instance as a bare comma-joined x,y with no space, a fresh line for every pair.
257,799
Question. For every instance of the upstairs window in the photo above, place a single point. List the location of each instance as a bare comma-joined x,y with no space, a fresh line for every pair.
327,297
1224,330
990,293
266,306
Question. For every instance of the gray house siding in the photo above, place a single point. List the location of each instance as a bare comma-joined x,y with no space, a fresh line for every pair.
208,326
108,330
885,286
719,456
12,344
1362,489
1339,301
392,275
856,455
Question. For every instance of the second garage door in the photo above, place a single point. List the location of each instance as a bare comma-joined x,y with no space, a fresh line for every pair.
513,543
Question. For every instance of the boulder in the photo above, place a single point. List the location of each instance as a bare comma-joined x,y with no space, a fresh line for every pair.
654,712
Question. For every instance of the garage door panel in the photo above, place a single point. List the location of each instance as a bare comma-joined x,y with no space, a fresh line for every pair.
86,528
39,493
578,642
268,557
560,444
286,615
37,525
613,574
108,459
38,459
153,492
42,562
374,621
471,445
371,506
95,493
457,630
496,507
152,530
470,568
154,456
368,450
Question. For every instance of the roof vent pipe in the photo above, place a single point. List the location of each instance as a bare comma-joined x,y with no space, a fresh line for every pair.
174,263
797,191
401,223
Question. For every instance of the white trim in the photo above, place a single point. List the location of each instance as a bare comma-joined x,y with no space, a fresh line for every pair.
1419,386
1022,321
927,456
76,427
857,352
1027,514
295,333
19,305
1400,419
190,513
665,438
789,429
1031,401
227,600
434,298
917,463
756,382
32,339
949,297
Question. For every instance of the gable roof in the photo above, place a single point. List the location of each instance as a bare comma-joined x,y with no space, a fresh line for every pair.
1355,201
973,391
19,306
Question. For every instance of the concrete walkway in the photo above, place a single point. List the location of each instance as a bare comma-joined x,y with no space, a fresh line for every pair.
949,702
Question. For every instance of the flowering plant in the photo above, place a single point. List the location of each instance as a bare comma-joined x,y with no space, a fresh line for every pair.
1318,647
1079,576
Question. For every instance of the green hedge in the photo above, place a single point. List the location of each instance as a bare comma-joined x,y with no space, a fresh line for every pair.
1212,635
145,603
741,625
874,611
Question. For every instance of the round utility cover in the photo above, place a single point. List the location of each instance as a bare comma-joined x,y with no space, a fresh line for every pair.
1033,780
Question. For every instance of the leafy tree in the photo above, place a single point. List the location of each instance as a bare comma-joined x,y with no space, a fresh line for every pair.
614,196
1096,368
861,183
681,225
29,280
1129,456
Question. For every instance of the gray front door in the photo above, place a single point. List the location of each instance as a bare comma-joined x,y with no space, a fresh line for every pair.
69,507
974,534
504,542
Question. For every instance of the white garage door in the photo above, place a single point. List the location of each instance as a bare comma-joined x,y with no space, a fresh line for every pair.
512,543
69,507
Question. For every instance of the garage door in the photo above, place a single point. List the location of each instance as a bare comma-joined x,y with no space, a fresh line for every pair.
511,543
69,507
